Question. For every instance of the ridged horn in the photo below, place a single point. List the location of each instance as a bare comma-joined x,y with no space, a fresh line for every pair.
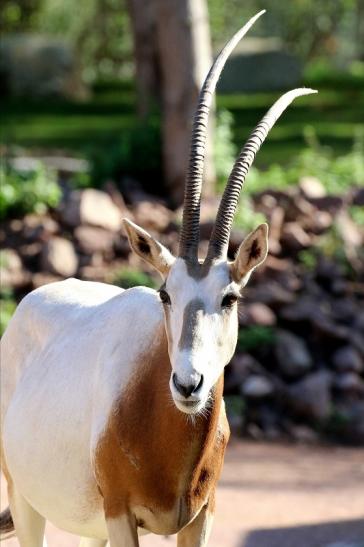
219,240
190,230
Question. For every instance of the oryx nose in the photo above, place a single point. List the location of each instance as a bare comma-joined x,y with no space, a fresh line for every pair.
187,389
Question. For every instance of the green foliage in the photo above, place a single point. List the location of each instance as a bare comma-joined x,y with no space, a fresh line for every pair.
308,258
246,218
128,277
235,405
224,148
308,27
99,30
356,213
336,173
255,336
136,152
27,192
7,308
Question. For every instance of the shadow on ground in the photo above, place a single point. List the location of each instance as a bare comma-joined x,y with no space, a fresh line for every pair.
348,533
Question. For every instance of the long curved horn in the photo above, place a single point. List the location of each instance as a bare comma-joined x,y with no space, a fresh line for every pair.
219,240
190,230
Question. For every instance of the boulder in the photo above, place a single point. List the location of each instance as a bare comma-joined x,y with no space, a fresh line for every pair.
348,359
59,257
39,66
349,382
269,66
259,314
257,387
91,239
312,187
292,354
92,207
294,238
152,215
311,397
12,273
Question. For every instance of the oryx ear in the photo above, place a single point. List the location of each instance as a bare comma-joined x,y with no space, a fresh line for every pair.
251,253
144,245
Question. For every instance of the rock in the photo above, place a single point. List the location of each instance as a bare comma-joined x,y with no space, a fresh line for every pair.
311,187
271,294
12,273
303,434
43,278
51,67
326,328
256,387
275,229
292,354
39,227
349,382
239,369
347,359
91,239
278,68
306,308
152,215
92,207
259,314
59,257
332,204
310,397
294,238
358,197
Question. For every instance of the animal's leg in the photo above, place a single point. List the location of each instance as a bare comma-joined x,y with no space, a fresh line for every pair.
29,525
197,533
90,542
122,531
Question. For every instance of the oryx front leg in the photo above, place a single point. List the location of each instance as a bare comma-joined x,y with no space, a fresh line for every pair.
122,531
29,525
90,542
197,533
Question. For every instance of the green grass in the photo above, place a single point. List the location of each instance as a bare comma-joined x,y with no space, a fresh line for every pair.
111,112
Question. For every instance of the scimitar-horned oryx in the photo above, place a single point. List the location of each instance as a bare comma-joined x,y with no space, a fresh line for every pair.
113,418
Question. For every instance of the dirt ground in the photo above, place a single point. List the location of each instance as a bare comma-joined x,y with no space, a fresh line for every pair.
277,496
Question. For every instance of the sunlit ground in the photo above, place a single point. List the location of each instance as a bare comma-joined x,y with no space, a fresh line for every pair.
278,496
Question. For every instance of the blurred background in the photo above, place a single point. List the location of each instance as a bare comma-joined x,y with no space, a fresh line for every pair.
97,100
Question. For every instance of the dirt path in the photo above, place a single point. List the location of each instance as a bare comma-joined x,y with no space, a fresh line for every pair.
279,496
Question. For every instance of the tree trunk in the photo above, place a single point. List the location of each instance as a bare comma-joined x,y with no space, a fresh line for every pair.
178,31
143,17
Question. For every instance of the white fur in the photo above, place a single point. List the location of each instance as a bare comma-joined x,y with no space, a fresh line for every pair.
67,354
207,357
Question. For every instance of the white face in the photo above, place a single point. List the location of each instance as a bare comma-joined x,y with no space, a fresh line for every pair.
202,325
200,307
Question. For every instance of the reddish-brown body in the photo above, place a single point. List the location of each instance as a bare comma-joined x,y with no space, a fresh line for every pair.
152,456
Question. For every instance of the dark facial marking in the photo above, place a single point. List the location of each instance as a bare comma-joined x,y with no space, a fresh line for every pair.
190,319
196,270
143,245
255,250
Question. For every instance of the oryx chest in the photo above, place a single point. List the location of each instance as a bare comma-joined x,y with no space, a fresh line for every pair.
152,460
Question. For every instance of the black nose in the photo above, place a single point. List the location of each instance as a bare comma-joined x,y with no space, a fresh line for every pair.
187,389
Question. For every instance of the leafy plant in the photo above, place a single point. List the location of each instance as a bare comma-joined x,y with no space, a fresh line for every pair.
224,147
128,278
27,192
356,212
7,308
255,336
336,173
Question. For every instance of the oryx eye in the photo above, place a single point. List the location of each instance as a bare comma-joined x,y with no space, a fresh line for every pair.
164,296
229,300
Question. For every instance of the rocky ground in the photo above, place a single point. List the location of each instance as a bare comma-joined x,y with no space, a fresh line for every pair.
299,366
277,496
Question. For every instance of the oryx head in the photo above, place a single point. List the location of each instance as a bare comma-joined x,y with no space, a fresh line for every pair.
199,298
